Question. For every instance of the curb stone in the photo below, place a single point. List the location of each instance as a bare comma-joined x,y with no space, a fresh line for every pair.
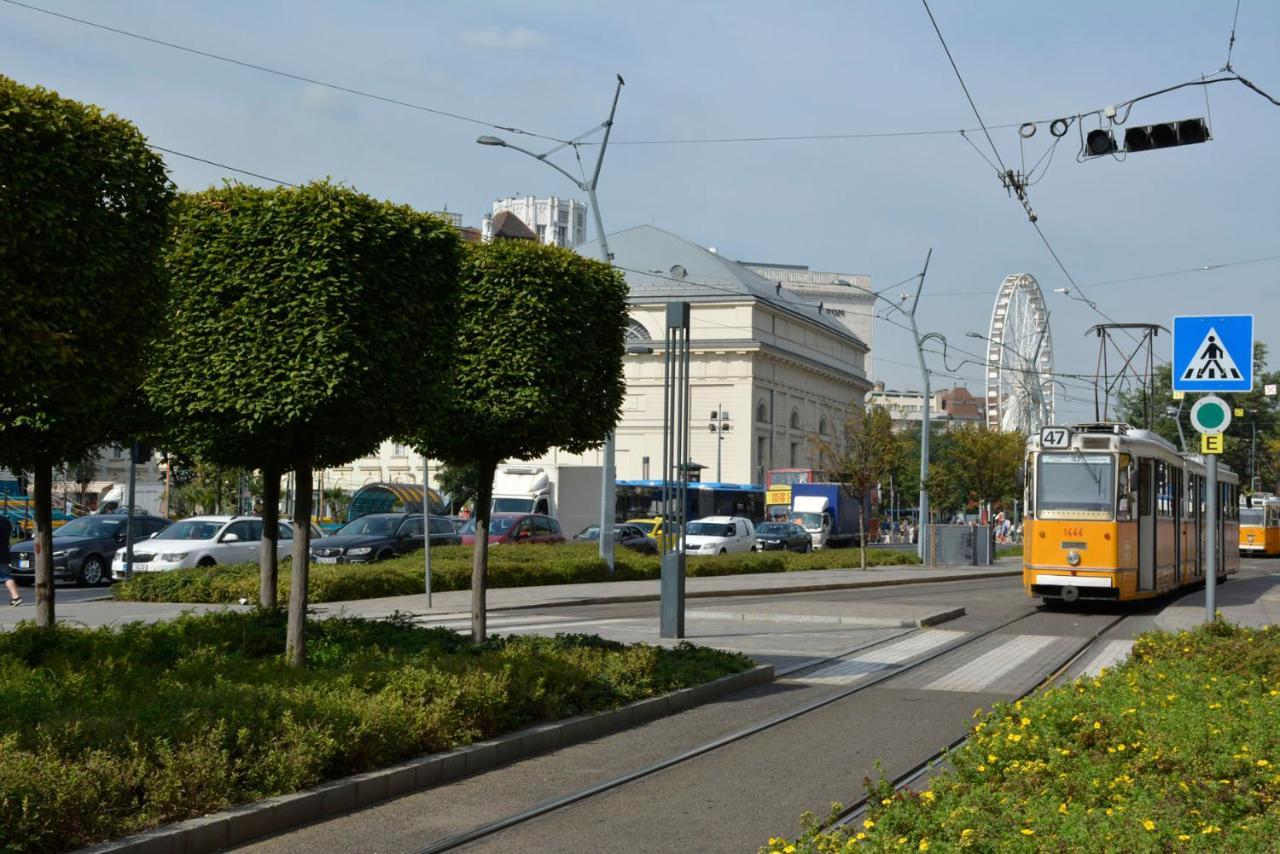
246,822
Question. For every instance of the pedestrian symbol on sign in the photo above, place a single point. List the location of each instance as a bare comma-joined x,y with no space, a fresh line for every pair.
1212,361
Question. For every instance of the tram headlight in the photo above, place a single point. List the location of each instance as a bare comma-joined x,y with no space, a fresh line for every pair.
1073,558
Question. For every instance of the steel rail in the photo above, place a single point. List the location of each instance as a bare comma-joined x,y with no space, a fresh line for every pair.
547,807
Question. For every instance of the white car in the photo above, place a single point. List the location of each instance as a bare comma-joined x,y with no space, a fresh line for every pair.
203,541
717,535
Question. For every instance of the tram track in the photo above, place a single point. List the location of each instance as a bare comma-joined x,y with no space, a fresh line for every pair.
890,672
858,808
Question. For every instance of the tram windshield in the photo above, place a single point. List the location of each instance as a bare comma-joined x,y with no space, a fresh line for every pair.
1076,483
1251,516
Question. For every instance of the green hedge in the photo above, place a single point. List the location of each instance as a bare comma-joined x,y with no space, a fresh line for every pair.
509,566
1178,749
109,731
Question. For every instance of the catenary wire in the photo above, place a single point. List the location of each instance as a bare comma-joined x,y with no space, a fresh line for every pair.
220,165
299,77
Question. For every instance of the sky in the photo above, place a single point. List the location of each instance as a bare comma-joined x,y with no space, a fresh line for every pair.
699,70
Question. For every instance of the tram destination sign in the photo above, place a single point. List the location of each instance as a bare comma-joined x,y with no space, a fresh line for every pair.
1213,353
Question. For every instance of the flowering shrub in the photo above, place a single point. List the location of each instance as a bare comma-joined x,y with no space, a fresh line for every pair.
1178,749
108,731
509,566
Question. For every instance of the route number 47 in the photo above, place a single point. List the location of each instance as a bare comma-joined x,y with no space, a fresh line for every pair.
1055,437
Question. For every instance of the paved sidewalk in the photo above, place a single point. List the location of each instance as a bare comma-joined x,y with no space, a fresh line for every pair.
1247,601
108,612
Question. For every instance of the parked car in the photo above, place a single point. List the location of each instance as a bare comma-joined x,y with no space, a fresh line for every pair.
626,534
719,535
379,536
201,541
83,548
516,528
652,525
788,536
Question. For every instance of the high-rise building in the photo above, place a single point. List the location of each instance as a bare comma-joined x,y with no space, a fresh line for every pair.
555,221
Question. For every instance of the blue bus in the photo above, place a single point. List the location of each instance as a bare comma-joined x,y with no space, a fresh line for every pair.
643,499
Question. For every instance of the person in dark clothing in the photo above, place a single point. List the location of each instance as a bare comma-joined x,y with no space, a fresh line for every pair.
6,531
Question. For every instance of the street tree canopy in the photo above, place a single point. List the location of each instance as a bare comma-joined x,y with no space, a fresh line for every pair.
308,324
979,465
84,209
861,459
538,365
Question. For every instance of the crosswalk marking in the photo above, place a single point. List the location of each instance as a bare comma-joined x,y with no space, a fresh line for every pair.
864,663
1109,654
991,665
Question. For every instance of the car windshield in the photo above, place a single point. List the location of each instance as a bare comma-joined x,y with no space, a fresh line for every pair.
91,526
1076,483
512,505
191,529
1251,516
647,527
710,529
773,529
376,526
808,521
497,525
591,532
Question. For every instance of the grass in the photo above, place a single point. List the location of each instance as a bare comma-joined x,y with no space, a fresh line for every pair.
110,731
1178,749
509,566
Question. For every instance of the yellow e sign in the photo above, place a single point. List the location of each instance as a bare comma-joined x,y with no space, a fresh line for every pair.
1211,443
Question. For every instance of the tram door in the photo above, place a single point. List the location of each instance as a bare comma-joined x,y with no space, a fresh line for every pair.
1146,526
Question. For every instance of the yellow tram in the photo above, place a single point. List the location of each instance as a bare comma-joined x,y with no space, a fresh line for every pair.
1115,513
1260,526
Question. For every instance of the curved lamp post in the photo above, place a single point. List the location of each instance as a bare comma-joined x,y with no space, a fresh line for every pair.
608,499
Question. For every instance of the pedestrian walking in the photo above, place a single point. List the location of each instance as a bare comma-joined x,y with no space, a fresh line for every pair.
6,531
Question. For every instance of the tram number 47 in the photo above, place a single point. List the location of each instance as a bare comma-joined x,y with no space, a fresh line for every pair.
1055,437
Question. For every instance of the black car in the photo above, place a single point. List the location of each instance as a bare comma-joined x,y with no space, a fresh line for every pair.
776,536
630,536
83,548
379,536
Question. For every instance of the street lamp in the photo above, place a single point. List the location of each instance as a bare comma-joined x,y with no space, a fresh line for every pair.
608,497
719,425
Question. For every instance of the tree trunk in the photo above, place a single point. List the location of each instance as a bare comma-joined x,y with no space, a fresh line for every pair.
43,488
480,552
862,530
296,644
268,554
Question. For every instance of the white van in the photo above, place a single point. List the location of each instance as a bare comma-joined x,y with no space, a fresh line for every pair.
717,535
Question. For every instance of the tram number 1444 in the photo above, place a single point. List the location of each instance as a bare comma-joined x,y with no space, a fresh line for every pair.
1055,437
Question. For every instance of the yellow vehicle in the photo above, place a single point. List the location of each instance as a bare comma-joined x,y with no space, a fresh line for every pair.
1260,526
651,525
1116,514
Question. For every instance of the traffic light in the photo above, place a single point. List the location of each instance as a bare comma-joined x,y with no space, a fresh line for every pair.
1165,135
1098,143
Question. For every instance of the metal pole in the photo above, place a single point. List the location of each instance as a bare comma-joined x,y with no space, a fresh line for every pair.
426,523
608,470
128,521
719,437
923,526
1253,456
675,444
1211,536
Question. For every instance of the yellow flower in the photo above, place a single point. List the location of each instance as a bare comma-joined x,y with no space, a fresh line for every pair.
966,833
982,769
1025,721
1013,736
927,795
790,849
992,758
860,835
1120,747
1026,831
1097,725
923,846
1148,824
887,801
1262,763
1182,837
1062,808
902,840
868,823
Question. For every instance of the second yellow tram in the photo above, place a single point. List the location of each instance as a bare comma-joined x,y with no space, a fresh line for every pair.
1116,514
1260,526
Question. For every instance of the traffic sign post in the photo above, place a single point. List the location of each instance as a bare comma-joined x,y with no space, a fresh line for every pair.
1211,416
1213,353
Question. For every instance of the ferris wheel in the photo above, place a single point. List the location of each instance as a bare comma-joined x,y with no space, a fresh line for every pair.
1019,358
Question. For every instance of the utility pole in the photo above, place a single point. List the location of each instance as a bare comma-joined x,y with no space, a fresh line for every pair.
719,425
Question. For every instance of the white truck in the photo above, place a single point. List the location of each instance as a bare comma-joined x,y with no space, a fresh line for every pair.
570,494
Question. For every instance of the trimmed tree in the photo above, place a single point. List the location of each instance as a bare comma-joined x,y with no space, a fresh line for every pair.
979,465
538,365
83,213
861,459
310,323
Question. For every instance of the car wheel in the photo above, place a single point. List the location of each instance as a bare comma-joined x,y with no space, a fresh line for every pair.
383,555
206,561
724,551
808,547
91,572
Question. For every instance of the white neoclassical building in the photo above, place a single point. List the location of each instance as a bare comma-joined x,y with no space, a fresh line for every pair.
783,370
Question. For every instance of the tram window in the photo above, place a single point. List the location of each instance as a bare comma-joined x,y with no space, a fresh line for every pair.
1253,516
1164,489
1124,489
1075,482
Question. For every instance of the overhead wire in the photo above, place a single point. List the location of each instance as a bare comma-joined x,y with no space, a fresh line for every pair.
337,87
280,181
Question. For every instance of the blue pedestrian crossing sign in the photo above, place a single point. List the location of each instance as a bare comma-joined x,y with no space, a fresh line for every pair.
1213,353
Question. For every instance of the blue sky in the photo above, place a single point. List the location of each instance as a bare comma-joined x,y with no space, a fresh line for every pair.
701,69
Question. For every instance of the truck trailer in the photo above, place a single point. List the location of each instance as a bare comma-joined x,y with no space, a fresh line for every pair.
570,494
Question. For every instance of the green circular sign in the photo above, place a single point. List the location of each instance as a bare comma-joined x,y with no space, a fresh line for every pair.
1211,415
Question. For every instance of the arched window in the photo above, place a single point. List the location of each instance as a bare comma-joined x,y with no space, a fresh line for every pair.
823,426
762,413
637,332
795,419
